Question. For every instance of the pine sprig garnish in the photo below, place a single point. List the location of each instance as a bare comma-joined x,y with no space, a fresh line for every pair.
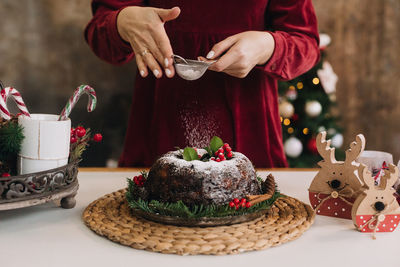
182,210
11,136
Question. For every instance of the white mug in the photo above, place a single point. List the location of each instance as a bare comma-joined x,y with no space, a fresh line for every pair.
46,143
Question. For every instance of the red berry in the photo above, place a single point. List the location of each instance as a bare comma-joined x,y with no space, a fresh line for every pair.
228,149
221,155
243,205
73,131
97,137
216,153
223,159
73,139
80,131
243,200
217,159
229,155
212,158
248,205
237,207
5,174
231,204
226,145
220,150
236,201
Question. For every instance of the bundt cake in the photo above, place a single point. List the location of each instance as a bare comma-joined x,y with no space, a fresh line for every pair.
172,178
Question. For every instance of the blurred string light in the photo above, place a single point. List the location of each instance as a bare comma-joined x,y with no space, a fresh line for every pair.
315,81
286,122
290,130
300,85
305,131
292,87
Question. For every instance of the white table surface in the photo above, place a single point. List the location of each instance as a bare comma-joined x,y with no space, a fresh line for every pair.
50,236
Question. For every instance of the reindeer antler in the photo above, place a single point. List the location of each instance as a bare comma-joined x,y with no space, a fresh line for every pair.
324,148
355,149
390,177
366,176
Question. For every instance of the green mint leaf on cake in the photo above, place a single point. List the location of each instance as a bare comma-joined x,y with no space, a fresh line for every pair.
215,144
190,154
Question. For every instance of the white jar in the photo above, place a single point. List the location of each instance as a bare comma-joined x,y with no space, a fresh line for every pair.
46,143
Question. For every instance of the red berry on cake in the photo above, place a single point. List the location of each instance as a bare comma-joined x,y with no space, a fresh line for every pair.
243,200
217,159
229,155
228,149
212,158
73,139
73,132
97,137
221,150
231,204
248,205
236,201
221,155
80,131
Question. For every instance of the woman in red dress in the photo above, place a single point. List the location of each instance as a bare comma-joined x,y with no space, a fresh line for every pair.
255,42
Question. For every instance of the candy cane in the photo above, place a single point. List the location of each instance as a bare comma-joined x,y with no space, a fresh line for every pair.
83,89
5,94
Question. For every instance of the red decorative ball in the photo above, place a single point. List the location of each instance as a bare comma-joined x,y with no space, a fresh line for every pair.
73,139
97,137
236,201
80,131
231,204
5,174
312,146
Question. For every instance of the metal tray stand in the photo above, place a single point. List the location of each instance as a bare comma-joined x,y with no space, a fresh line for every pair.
40,187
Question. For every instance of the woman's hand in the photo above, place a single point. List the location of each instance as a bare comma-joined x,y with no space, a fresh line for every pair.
143,28
242,51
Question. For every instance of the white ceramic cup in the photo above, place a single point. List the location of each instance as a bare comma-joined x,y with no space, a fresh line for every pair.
46,143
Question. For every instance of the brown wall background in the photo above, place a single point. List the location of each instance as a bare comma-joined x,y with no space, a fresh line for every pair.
44,55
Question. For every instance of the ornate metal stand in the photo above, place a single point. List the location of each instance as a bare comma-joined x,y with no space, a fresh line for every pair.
41,187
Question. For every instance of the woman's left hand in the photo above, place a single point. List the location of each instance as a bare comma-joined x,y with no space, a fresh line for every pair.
242,51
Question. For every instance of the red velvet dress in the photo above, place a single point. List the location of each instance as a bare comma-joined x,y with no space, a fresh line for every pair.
244,112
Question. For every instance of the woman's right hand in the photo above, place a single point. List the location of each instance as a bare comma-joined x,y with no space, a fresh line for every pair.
143,28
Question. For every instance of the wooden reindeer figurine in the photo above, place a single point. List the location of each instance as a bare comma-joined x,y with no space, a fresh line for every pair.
376,208
336,185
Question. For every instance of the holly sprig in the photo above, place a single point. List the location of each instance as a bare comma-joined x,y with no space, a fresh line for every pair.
215,148
79,141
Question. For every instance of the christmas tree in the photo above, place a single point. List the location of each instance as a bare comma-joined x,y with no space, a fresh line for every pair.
307,107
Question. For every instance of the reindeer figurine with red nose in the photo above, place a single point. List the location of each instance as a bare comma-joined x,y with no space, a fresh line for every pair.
336,185
376,208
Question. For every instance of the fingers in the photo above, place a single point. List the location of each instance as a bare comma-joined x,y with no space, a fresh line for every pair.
168,14
164,46
141,65
219,48
225,61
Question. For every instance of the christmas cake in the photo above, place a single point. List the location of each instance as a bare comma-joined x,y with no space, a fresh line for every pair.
201,183
172,178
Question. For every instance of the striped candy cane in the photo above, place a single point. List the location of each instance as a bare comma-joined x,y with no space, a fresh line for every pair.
83,89
11,92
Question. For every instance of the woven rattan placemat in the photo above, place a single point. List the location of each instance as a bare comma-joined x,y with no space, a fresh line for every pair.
111,217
